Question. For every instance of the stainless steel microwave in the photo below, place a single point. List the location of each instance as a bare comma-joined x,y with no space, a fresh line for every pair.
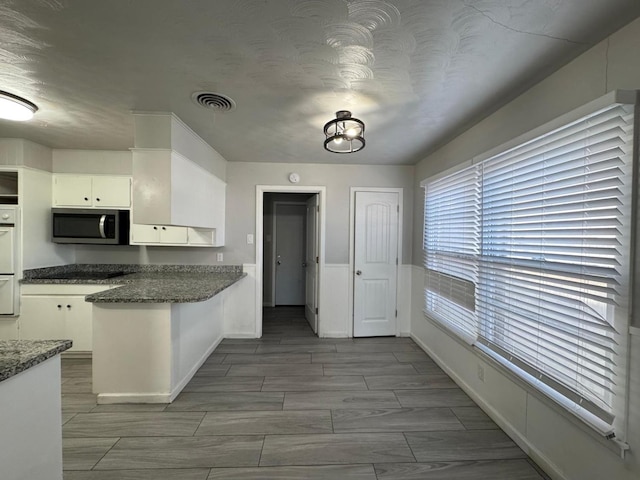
80,225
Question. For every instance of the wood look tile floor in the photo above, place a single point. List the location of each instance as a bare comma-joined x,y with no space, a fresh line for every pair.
292,406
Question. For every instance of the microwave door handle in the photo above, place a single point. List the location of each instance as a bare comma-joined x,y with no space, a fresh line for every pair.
103,219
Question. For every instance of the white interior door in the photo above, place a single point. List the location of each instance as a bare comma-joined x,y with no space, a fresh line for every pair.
290,253
311,264
375,264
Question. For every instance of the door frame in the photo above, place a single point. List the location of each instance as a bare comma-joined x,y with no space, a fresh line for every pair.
352,246
274,244
321,191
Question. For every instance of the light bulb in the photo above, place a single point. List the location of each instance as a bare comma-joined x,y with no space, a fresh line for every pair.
337,140
352,132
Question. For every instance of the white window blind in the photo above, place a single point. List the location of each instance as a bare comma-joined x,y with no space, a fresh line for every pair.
553,272
527,255
452,246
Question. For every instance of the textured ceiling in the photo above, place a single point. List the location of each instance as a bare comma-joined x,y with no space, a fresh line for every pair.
416,72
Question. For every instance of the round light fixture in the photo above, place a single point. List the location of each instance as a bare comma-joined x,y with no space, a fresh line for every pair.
16,108
345,134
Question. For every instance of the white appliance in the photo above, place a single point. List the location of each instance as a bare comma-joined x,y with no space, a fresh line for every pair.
8,216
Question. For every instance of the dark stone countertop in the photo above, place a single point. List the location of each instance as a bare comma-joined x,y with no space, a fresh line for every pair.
145,283
19,355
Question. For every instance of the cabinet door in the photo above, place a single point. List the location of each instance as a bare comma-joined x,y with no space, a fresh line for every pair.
42,318
78,323
6,295
145,233
6,247
111,192
72,191
173,234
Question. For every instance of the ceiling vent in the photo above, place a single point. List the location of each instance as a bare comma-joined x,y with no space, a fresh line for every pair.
214,101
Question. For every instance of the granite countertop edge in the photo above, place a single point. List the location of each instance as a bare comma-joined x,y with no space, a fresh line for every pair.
16,356
144,283
164,291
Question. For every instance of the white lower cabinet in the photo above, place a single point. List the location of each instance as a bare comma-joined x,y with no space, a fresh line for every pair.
56,312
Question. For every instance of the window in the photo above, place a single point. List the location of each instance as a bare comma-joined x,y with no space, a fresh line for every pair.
527,257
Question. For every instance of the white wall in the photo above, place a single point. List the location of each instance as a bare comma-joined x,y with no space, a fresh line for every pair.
564,448
101,162
19,152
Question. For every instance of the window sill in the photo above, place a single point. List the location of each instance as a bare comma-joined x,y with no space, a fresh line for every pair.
614,445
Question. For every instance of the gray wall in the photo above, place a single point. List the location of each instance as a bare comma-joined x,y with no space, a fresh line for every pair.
242,179
612,64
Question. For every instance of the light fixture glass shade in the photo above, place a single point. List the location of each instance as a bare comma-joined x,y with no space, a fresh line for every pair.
16,108
344,134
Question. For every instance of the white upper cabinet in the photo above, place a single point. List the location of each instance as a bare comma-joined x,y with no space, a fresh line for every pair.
91,191
170,189
158,234
176,182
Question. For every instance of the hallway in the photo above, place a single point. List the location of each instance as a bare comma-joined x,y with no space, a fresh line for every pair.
292,406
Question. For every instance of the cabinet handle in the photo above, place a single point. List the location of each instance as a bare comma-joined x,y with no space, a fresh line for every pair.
155,228
164,228
97,199
69,307
59,306
86,199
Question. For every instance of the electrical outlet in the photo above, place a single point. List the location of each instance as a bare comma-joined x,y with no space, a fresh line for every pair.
220,257
250,239
481,373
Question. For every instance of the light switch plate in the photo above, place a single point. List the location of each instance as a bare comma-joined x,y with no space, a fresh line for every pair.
220,257
250,239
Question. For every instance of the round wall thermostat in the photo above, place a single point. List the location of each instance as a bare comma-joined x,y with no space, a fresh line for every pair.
294,177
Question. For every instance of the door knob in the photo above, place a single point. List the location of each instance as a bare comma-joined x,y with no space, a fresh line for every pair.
304,264
358,272
279,262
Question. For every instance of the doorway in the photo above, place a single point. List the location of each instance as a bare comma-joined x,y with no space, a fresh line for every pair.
289,241
289,251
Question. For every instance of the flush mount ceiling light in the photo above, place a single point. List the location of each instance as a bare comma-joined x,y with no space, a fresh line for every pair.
344,134
16,108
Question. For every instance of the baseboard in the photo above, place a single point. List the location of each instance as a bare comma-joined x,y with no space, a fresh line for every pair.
240,335
523,442
117,398
78,355
335,335
187,378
